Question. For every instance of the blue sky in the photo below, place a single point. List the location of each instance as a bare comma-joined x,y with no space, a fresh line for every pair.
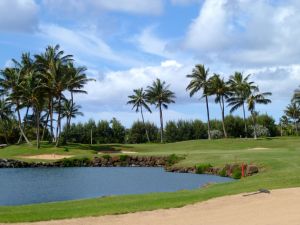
126,44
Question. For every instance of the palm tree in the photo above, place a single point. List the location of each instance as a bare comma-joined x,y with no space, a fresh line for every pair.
252,100
52,65
160,95
293,111
200,81
139,100
11,80
70,110
6,114
241,89
219,88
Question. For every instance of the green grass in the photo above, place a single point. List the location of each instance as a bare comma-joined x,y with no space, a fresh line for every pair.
279,165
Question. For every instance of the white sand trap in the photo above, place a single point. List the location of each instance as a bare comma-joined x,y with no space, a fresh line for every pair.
47,156
281,207
258,148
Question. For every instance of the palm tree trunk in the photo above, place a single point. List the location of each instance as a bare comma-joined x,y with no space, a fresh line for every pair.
223,116
245,122
51,118
46,125
161,124
147,135
254,125
296,126
20,125
208,118
58,123
24,125
38,129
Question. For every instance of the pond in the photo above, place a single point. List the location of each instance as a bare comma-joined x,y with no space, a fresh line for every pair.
38,185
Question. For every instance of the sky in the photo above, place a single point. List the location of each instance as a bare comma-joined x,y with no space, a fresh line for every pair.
126,44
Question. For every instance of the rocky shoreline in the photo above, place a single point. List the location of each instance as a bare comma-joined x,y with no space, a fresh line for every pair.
130,161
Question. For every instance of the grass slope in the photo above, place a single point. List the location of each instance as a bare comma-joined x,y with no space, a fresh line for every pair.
280,163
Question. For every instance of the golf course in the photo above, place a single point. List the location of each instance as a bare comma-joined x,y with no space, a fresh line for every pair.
277,159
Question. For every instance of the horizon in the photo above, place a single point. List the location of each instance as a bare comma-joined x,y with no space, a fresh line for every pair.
127,46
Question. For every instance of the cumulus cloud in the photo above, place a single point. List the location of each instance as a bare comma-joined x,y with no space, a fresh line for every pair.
149,7
18,15
246,32
115,86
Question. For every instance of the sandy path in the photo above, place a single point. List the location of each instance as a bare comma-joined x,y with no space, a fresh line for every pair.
281,207
47,156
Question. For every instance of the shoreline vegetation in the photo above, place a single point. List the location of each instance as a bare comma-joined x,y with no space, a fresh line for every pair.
277,158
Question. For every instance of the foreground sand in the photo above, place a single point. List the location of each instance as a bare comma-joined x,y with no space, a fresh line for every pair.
281,207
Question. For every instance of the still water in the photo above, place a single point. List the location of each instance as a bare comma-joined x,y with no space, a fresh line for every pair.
37,185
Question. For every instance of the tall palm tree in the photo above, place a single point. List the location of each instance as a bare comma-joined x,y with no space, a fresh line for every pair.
293,111
70,110
200,81
11,80
252,100
241,89
6,114
139,100
53,66
160,95
219,88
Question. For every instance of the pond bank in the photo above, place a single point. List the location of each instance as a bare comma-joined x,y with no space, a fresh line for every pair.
132,161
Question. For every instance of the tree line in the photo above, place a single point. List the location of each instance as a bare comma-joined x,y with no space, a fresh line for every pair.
40,86
105,132
237,92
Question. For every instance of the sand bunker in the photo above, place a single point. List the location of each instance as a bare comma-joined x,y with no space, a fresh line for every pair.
258,148
281,207
47,156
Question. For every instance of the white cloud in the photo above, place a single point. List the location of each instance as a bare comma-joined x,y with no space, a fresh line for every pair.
113,89
148,42
83,43
247,32
18,15
149,7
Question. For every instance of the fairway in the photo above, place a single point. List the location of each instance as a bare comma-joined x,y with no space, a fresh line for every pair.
277,158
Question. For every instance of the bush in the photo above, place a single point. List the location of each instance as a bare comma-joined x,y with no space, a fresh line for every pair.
123,158
172,159
237,173
216,134
223,173
107,157
202,168
261,131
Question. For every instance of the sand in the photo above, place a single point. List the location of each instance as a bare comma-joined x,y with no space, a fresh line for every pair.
116,152
47,156
281,207
258,148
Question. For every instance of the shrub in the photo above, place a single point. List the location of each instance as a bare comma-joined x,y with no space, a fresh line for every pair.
107,157
237,173
261,131
202,168
223,173
216,134
123,158
172,159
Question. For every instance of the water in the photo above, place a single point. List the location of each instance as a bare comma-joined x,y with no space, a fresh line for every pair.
37,185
